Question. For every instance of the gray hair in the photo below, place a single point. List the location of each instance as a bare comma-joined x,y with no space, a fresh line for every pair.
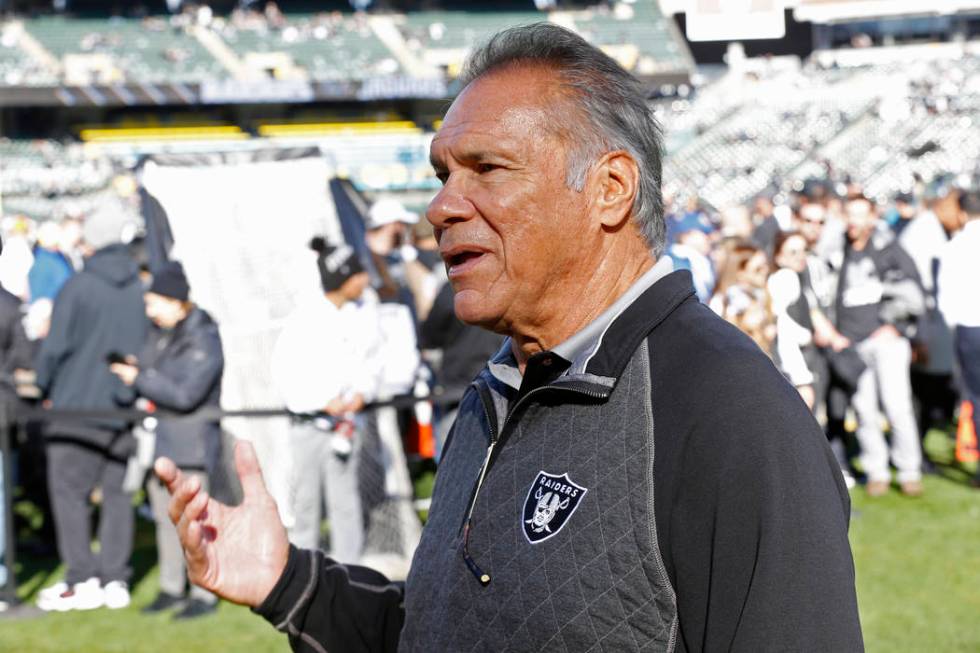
610,100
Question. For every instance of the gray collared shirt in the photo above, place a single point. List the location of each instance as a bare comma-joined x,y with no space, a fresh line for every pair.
579,349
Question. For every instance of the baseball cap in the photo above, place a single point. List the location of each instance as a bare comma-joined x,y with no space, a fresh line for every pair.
336,263
387,210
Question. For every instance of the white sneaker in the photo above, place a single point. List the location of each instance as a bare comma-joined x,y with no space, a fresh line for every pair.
80,596
52,591
116,595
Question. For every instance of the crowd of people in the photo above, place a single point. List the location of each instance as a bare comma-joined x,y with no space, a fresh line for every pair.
861,304
91,323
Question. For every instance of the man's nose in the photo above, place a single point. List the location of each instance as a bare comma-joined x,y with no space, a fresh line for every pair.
450,205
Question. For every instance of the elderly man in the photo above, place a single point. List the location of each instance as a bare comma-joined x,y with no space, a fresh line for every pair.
629,473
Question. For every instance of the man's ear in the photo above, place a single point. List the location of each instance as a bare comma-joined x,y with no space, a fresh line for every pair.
616,178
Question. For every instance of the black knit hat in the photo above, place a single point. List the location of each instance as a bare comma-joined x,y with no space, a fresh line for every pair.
337,263
170,281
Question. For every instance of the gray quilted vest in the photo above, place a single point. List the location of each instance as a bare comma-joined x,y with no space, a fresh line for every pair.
563,525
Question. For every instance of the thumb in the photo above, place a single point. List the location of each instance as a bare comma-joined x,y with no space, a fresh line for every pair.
249,471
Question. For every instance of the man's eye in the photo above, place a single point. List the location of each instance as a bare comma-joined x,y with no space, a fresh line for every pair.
486,167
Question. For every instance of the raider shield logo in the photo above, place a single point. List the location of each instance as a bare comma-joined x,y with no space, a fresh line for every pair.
549,505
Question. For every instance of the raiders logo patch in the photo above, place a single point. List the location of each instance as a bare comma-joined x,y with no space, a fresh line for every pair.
549,505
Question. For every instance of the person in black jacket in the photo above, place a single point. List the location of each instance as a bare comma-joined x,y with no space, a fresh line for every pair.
465,351
631,473
15,353
98,312
179,370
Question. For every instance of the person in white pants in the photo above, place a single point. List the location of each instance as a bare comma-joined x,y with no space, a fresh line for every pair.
878,293
322,364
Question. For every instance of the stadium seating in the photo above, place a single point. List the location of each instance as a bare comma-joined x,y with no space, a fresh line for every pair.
323,46
444,37
17,67
46,178
460,30
148,50
882,125
326,46
641,25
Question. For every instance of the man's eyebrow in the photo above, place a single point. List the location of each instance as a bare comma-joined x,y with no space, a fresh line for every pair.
470,156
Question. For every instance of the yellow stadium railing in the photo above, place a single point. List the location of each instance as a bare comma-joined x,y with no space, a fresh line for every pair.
210,133
338,128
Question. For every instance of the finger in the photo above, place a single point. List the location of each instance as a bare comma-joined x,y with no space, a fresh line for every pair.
167,472
193,512
194,553
196,507
185,492
249,471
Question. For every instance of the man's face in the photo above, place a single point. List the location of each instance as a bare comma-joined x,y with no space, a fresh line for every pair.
810,223
764,206
792,253
354,287
514,238
755,272
385,239
861,218
948,211
165,312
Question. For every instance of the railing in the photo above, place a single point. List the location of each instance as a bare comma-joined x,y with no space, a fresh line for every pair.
13,418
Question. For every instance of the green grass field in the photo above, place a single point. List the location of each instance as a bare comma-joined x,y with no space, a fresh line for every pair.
918,570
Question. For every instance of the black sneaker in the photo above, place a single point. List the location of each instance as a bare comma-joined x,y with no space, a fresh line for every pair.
162,602
196,608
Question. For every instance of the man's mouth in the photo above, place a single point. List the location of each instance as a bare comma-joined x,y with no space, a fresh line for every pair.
461,260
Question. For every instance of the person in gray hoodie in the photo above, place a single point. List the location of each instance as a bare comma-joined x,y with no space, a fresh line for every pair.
98,315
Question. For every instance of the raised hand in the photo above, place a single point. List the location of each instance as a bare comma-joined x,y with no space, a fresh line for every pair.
237,552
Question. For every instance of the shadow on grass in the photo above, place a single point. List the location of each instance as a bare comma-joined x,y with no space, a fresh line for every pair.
940,447
37,571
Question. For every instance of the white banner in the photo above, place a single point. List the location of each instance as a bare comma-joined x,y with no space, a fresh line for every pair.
241,232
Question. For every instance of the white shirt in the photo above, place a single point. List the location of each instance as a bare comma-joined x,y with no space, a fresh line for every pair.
924,239
959,276
791,336
325,352
397,351
15,265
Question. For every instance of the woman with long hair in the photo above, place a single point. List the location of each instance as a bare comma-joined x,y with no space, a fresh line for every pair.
741,296
794,326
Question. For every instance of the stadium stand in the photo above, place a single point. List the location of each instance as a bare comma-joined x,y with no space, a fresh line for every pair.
882,124
330,46
638,35
138,50
17,66
881,116
49,179
198,46
779,124
442,38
